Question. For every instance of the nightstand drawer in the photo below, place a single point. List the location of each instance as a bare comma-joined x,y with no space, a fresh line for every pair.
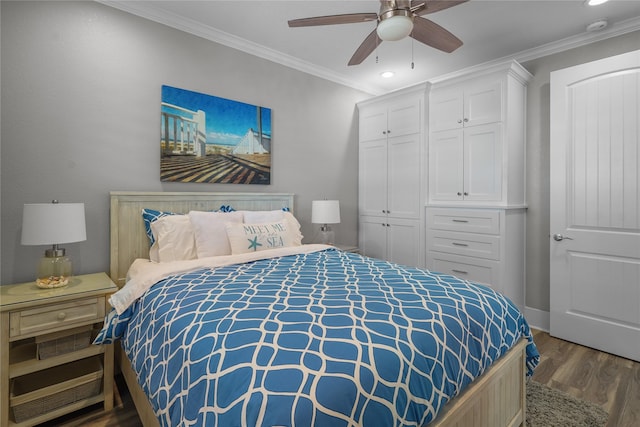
54,317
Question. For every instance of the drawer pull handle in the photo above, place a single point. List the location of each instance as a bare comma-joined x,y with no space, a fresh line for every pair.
62,315
459,244
459,220
460,271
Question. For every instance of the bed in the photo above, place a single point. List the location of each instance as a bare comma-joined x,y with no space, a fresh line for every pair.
360,363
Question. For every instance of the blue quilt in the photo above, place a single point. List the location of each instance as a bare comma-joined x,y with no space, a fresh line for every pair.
322,339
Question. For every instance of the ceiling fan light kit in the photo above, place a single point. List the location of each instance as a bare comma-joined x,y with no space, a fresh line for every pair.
395,27
396,20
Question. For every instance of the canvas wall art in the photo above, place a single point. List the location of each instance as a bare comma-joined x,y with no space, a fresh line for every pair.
209,139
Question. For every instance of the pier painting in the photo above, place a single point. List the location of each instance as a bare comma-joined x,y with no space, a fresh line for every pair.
209,139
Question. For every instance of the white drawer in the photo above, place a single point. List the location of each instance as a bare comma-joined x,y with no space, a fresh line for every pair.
465,220
472,269
468,244
55,317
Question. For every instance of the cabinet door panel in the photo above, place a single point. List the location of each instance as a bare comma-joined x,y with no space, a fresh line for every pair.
372,173
483,162
446,166
373,123
482,104
403,242
373,237
445,110
403,167
404,118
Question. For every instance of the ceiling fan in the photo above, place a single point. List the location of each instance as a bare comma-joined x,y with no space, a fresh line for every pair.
396,20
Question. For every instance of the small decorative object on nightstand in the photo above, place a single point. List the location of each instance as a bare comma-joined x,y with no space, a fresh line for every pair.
53,224
325,212
48,366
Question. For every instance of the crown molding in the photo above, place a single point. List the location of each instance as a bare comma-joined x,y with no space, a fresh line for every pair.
190,26
150,12
617,29
621,28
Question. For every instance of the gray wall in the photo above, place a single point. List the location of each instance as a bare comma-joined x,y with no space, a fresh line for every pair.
80,114
537,287
81,117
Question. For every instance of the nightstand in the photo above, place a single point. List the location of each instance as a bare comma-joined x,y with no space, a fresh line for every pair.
348,248
48,366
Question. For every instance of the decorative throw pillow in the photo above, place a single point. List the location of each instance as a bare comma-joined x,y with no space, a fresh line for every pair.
149,216
257,237
175,239
210,232
260,217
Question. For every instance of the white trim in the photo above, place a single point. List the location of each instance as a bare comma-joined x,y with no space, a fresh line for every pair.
537,319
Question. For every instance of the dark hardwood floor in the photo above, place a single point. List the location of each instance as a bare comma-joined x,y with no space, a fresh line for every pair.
609,381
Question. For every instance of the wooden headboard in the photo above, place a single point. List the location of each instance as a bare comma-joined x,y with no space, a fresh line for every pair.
128,238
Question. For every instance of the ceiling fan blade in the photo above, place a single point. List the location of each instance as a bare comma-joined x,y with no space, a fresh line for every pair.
349,18
368,45
432,34
433,6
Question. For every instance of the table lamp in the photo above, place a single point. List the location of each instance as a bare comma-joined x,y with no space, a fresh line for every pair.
53,224
325,212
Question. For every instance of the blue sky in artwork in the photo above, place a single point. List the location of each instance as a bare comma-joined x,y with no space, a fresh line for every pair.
227,121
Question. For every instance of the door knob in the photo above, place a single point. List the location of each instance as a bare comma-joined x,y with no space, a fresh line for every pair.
560,237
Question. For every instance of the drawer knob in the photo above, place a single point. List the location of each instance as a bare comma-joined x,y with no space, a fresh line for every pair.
62,315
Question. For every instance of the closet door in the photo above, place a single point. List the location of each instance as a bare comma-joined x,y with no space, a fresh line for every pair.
595,205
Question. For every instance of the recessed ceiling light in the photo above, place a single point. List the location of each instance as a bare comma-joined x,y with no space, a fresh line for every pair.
594,2
387,74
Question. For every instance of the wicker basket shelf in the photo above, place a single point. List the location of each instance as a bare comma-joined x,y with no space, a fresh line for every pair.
56,344
42,392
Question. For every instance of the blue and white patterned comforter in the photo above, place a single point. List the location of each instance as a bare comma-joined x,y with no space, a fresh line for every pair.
327,338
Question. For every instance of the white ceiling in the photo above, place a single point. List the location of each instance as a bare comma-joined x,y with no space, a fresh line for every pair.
491,31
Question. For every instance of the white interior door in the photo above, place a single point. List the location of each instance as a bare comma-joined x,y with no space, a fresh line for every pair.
595,204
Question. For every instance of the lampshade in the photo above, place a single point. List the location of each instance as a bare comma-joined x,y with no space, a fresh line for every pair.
53,223
395,28
325,211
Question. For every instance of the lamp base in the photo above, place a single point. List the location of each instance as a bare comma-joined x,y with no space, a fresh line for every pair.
325,235
54,271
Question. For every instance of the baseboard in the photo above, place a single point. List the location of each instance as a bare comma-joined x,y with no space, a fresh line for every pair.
537,319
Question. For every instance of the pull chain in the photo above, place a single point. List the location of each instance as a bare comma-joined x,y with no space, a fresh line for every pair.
412,65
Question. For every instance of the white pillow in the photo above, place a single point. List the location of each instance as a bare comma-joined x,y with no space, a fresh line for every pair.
210,232
174,238
258,237
261,217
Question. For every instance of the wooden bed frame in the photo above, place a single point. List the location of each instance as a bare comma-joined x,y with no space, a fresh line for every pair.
496,399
